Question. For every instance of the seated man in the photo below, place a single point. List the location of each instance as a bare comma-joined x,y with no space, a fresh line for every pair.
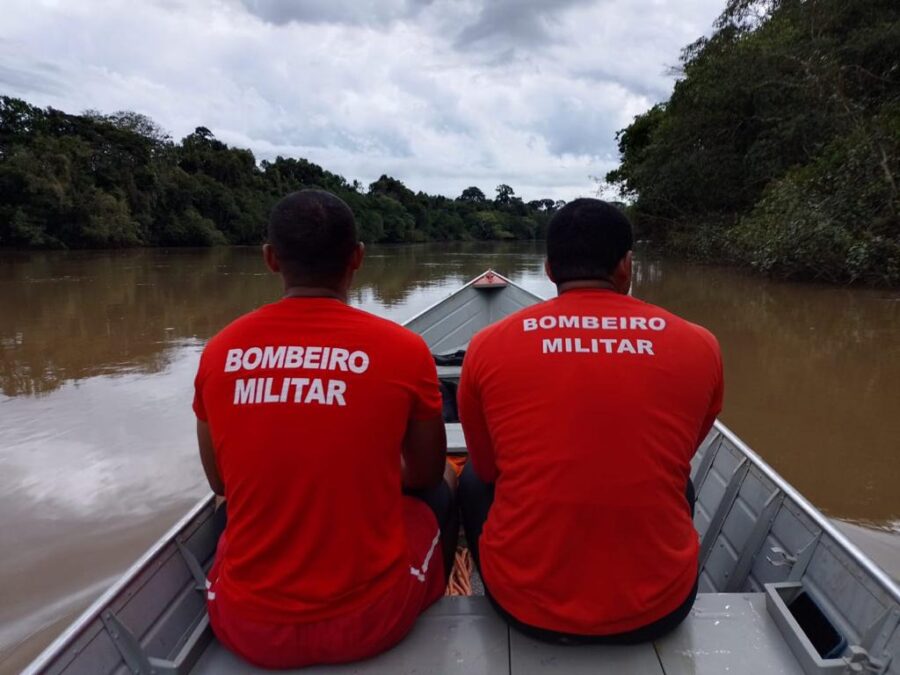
581,416
311,417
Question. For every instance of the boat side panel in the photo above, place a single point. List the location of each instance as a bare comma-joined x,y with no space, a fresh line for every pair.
893,647
793,528
797,549
156,605
153,592
172,629
852,603
745,512
861,563
711,491
166,634
144,608
761,535
770,565
93,653
722,559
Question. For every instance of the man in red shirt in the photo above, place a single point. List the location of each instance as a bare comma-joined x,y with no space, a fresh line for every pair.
312,417
581,415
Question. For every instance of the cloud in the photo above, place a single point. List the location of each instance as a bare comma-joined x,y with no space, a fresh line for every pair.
20,73
334,11
522,23
29,79
441,94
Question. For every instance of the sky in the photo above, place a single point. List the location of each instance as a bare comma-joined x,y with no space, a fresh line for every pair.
441,94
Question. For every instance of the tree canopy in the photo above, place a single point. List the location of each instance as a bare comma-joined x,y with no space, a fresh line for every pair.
780,144
103,181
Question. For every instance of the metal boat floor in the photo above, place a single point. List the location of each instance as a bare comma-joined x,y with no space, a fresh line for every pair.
726,633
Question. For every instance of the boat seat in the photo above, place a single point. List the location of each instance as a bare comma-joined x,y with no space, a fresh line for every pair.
456,440
449,372
726,633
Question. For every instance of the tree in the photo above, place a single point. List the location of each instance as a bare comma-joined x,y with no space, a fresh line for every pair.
735,164
116,180
472,195
504,194
393,188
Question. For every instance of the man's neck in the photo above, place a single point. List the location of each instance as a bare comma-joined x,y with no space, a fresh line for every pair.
314,292
589,284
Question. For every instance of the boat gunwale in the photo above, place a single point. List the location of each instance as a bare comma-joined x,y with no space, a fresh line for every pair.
75,629
55,648
810,510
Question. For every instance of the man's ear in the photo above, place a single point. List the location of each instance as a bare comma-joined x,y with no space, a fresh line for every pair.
271,259
548,271
621,276
357,258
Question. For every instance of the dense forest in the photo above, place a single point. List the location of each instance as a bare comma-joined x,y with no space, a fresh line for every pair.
104,181
780,145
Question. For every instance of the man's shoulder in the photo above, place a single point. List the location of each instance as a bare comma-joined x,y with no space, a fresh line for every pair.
693,331
237,328
377,330
383,326
499,330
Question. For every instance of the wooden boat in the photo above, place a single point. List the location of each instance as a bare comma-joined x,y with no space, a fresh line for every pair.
781,590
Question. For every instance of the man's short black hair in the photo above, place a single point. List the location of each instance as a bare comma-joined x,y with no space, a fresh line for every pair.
586,239
313,233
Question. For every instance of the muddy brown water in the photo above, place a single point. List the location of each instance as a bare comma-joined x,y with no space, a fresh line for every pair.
98,351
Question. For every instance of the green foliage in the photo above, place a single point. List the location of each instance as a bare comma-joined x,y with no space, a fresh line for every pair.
97,181
779,145
472,194
807,223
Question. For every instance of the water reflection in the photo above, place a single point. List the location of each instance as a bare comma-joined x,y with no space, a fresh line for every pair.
81,314
811,371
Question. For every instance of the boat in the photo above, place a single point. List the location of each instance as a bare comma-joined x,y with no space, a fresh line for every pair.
781,590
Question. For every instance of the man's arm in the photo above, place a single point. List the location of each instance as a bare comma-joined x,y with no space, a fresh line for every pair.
715,405
424,453
208,458
471,414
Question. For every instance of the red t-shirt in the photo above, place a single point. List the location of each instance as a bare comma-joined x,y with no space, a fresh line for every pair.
308,402
586,410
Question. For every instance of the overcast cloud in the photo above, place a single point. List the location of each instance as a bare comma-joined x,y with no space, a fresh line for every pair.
441,94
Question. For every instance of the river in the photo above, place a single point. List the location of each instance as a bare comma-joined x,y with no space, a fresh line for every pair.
98,352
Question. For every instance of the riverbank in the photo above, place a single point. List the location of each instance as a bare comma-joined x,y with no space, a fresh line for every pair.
119,181
779,147
823,256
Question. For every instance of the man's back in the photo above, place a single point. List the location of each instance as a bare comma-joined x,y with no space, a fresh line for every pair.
586,410
308,401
